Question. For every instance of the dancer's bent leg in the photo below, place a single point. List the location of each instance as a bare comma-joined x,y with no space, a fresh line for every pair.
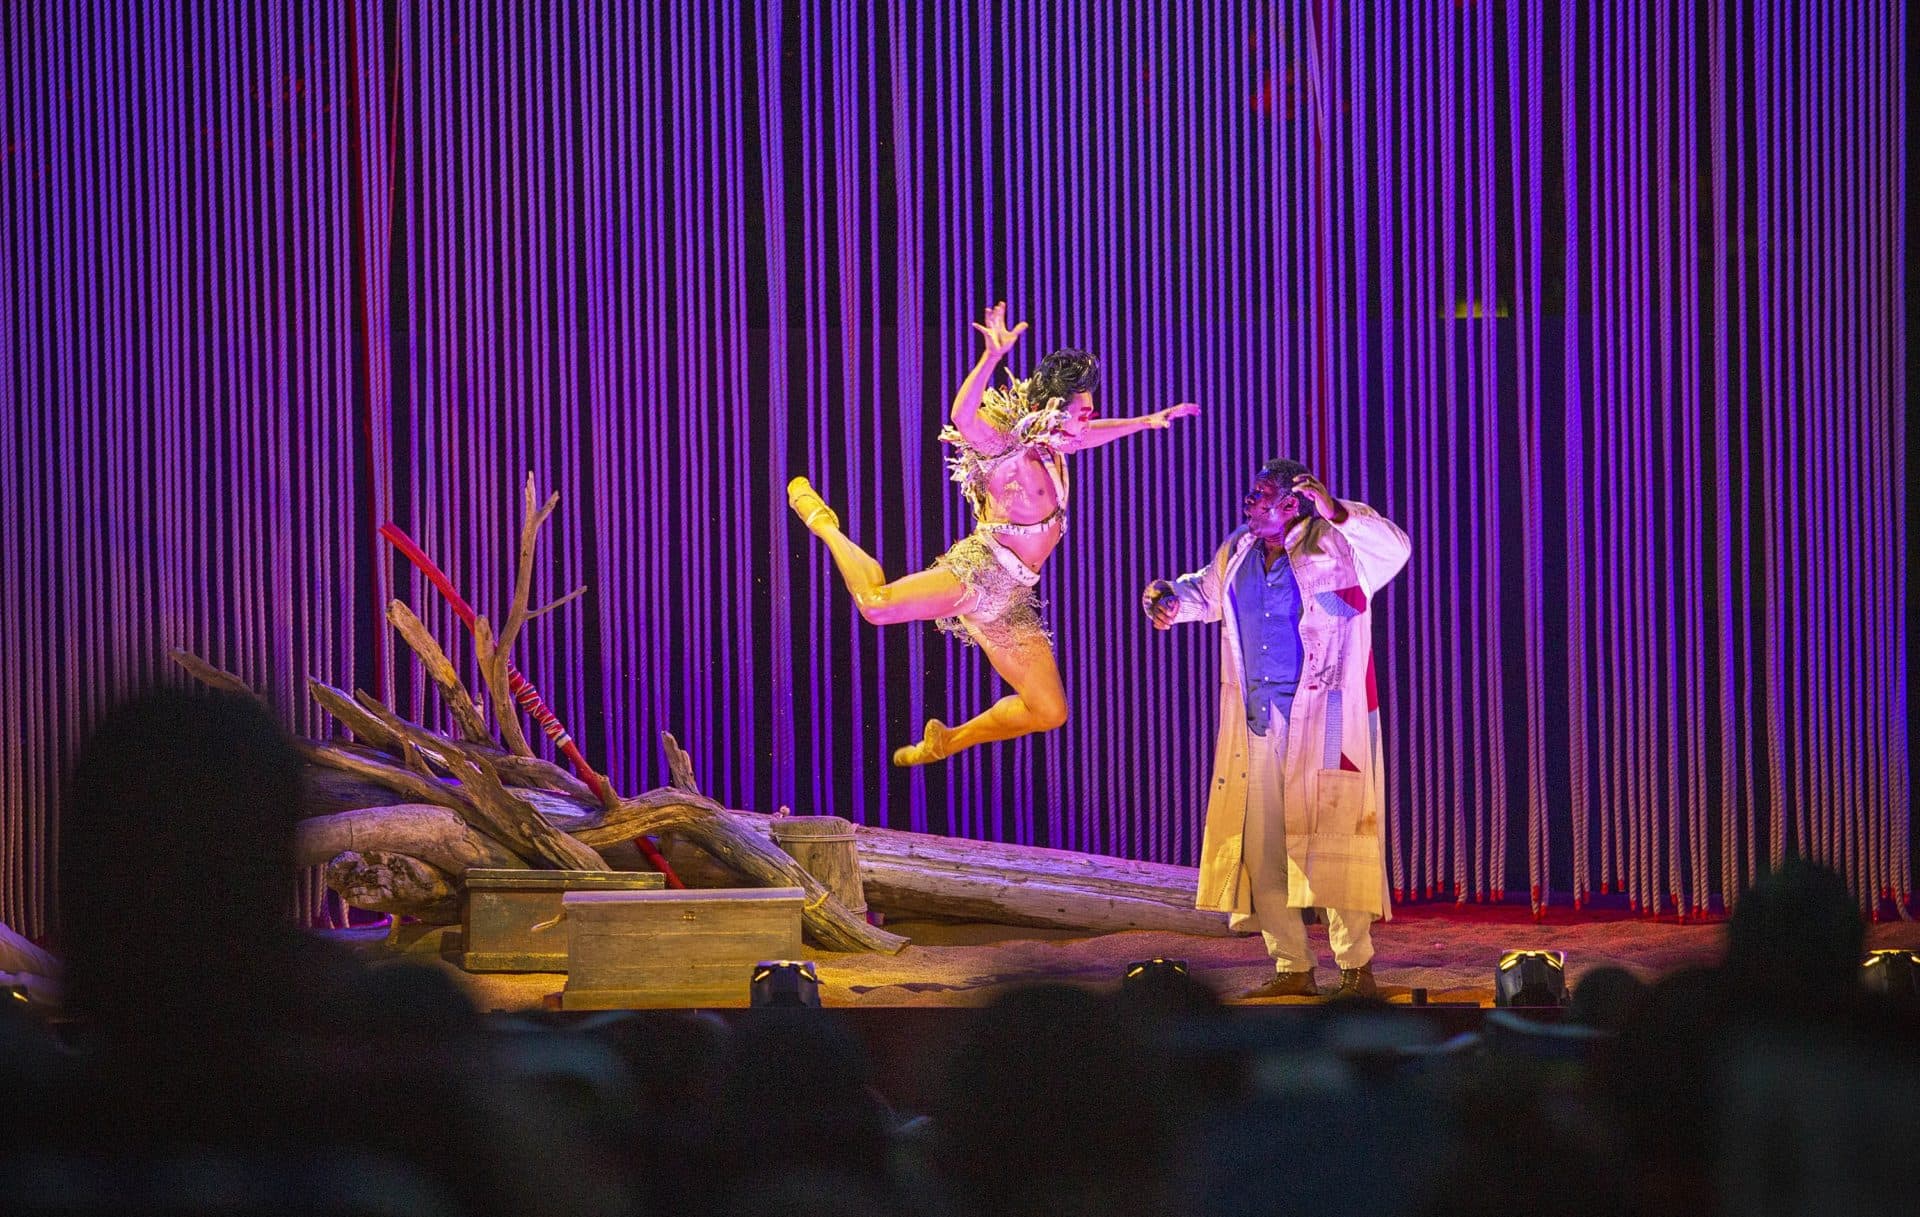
1038,703
921,596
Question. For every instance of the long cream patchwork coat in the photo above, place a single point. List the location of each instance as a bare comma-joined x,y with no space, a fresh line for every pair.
1335,773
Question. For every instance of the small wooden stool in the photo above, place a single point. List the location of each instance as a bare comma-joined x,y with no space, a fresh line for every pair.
824,848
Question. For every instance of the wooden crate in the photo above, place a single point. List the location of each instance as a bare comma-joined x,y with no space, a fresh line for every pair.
512,920
631,950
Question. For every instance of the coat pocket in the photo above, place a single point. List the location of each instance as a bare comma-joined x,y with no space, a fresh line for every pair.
1340,802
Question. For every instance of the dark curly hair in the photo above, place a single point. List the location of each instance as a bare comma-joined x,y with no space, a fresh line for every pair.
1062,374
1283,469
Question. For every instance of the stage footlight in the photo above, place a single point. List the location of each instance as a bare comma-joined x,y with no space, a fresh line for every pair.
1151,974
1896,972
785,982
1531,978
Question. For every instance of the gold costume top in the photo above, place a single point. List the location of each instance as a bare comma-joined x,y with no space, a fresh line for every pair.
1017,430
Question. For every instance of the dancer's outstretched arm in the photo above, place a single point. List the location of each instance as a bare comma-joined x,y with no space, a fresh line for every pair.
966,402
1106,430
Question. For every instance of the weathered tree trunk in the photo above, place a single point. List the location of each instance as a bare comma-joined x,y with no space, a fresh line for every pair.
421,830
1012,897
908,873
395,883
327,790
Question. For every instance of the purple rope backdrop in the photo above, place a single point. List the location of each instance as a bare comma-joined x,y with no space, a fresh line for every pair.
1603,304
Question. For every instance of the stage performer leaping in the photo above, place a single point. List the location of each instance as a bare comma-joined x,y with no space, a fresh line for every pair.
1009,455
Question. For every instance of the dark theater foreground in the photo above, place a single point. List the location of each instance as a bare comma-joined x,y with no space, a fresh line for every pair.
1072,608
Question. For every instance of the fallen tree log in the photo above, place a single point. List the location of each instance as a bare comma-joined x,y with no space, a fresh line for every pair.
432,834
918,874
1012,896
906,873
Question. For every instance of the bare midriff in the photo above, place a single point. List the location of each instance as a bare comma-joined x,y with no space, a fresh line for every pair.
1022,492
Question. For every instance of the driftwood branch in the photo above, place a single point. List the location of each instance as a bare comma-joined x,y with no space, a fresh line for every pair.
679,765
569,598
496,651
207,674
535,519
373,723
537,773
501,814
517,771
411,757
363,763
366,726
493,670
466,712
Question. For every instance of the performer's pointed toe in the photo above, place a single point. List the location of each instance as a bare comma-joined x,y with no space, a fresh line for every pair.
808,505
934,745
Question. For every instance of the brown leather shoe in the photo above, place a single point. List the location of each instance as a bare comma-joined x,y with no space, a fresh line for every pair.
1357,982
1286,984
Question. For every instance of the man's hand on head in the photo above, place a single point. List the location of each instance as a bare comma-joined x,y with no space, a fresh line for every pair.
1314,491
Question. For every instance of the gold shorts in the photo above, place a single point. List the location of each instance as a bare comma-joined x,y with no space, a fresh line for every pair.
1001,605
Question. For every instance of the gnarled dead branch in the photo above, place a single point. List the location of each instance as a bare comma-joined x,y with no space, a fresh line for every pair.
506,817
467,714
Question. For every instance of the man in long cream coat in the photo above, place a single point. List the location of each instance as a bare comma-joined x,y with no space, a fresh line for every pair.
1296,814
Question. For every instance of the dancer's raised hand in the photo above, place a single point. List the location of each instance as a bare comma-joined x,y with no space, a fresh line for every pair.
993,328
1160,420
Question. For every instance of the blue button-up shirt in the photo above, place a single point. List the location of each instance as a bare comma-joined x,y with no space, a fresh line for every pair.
1266,604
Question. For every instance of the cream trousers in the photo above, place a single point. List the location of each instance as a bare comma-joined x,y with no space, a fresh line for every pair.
1349,932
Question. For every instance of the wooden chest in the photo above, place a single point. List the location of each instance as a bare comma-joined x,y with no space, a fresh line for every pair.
513,921
630,950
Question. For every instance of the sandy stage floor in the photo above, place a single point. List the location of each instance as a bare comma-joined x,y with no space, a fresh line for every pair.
1449,951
